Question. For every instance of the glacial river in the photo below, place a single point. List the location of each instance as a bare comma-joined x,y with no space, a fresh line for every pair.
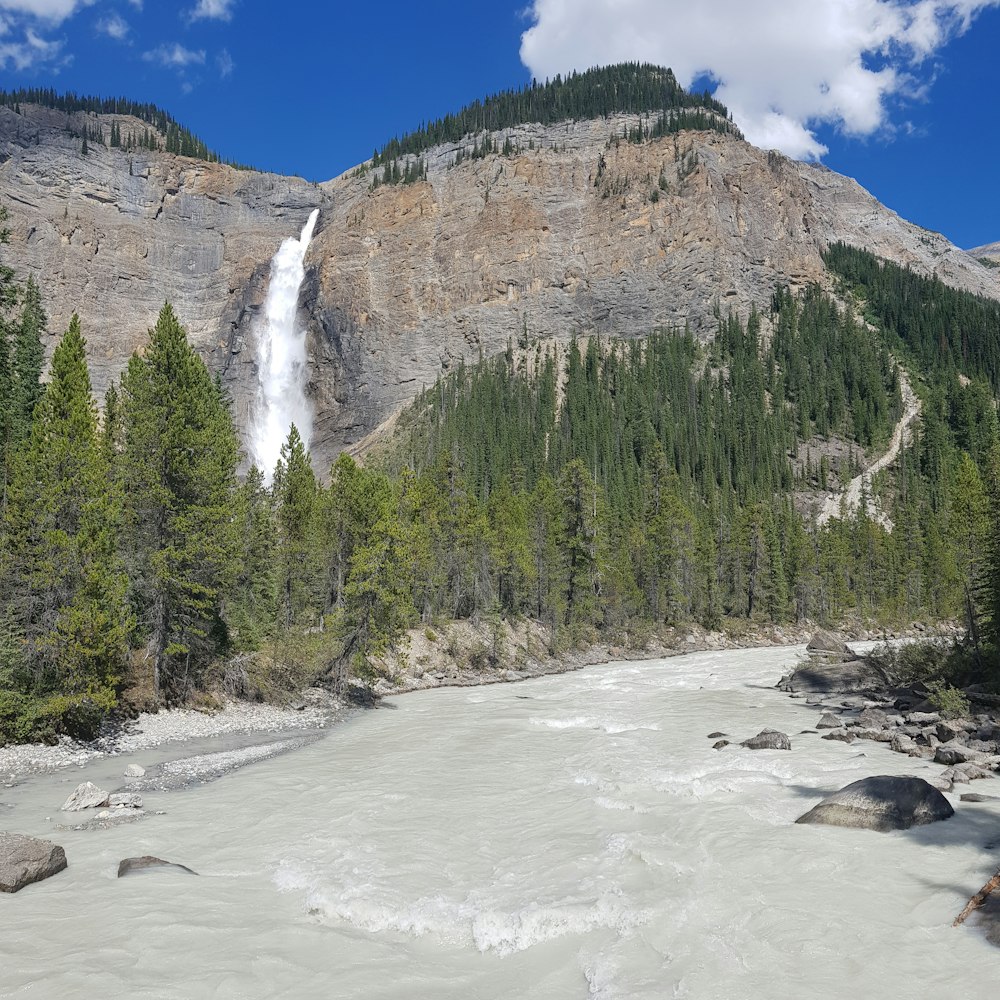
570,837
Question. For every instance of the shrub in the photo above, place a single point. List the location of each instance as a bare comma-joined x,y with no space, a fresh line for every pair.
948,700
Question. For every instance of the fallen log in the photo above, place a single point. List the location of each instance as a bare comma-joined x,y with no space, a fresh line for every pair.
979,898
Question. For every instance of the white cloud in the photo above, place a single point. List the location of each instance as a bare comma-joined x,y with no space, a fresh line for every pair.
55,11
114,26
783,66
31,51
213,10
175,56
224,61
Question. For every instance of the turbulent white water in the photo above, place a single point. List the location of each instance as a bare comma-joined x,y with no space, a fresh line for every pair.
281,399
570,837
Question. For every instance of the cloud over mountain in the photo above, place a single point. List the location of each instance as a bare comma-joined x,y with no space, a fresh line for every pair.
783,67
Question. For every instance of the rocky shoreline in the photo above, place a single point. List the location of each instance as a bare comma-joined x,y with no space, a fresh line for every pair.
860,701
427,661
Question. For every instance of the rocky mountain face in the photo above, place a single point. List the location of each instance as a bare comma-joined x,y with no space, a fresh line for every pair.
575,233
991,251
113,234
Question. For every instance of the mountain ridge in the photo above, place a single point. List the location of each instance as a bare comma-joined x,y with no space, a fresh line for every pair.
574,230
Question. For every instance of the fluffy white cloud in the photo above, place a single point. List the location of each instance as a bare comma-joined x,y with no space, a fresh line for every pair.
175,56
783,66
55,11
114,26
28,51
213,10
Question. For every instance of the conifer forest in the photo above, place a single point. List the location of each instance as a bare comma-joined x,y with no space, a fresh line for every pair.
602,487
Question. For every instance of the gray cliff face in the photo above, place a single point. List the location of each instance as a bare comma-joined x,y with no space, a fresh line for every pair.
575,234
112,235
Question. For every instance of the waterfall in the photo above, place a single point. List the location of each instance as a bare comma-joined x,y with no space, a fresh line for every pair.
281,366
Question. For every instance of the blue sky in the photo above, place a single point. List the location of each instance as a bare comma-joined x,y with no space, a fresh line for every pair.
901,94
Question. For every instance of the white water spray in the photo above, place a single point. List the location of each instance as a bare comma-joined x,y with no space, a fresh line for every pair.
281,398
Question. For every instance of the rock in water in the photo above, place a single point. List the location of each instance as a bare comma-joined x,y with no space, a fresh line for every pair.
125,800
883,803
131,866
829,721
768,739
134,771
24,860
86,796
827,642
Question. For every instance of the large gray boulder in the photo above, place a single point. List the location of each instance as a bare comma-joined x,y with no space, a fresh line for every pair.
821,677
134,866
768,739
882,802
958,753
24,860
829,721
86,796
828,642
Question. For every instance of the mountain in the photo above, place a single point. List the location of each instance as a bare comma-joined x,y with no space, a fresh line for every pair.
987,252
530,231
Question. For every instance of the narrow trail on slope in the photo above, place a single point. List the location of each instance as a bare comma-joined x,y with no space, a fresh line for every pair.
849,500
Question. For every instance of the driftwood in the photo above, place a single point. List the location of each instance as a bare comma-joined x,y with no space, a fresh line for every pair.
978,899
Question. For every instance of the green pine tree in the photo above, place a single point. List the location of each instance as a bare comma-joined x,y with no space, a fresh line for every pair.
179,478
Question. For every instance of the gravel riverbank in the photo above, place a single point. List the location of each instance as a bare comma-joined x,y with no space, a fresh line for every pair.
173,726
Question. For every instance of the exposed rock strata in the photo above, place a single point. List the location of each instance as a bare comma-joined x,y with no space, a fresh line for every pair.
403,283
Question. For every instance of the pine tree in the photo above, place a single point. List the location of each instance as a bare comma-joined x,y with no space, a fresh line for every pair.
297,499
29,358
66,587
252,608
377,598
178,472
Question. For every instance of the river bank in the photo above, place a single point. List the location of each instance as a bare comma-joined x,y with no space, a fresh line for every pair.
458,655
567,837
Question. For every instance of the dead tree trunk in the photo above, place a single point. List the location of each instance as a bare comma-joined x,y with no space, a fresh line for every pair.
978,899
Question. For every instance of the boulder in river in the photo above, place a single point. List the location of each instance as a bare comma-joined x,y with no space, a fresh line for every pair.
768,739
125,800
957,753
843,735
882,802
86,796
829,721
134,771
133,866
24,860
873,718
976,797
818,677
829,644
719,744
715,736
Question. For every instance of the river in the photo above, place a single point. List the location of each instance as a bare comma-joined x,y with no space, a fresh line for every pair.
569,837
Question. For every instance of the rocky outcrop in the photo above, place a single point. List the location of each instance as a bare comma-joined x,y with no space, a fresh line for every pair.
575,234
883,803
24,860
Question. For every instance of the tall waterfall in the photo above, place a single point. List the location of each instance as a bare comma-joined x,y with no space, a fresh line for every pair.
281,398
